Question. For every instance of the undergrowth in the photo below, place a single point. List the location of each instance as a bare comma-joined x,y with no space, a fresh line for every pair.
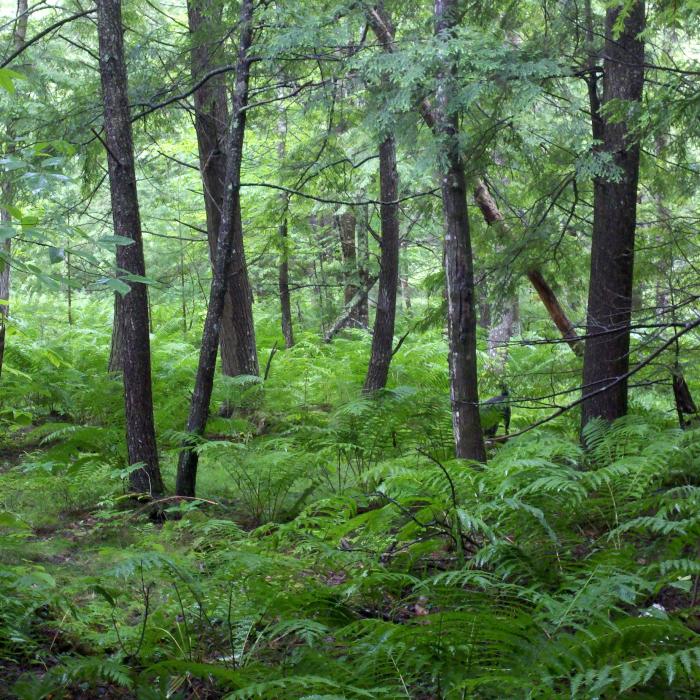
337,551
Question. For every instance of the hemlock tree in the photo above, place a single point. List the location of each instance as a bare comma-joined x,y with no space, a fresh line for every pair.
7,191
459,271
133,306
227,254
606,356
237,334
383,337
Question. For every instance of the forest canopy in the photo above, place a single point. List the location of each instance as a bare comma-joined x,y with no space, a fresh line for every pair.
348,349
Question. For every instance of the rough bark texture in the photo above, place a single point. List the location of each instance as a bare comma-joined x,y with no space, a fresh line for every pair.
606,356
283,270
459,273
227,254
7,192
237,336
140,429
383,338
493,217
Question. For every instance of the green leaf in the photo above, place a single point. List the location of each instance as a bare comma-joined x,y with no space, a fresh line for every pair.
56,255
116,284
115,240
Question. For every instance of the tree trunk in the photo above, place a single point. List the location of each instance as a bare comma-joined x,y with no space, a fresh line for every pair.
606,356
493,217
363,264
383,338
500,335
20,36
227,254
140,429
237,334
459,273
283,276
346,224
346,319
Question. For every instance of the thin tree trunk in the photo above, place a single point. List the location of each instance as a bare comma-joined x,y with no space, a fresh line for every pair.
346,224
229,237
140,429
383,337
237,334
493,217
7,190
500,335
459,273
363,264
283,276
464,393
606,356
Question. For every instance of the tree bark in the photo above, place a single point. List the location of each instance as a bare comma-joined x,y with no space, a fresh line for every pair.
283,270
459,272
237,335
606,355
464,393
7,190
383,337
362,238
346,224
227,254
140,429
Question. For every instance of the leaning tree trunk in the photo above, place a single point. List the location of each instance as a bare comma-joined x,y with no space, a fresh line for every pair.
493,217
136,358
7,191
383,338
227,254
459,273
237,334
606,355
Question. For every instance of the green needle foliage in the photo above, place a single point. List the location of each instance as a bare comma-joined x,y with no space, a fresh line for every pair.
336,549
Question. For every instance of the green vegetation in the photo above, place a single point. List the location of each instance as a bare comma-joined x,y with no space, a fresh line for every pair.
378,384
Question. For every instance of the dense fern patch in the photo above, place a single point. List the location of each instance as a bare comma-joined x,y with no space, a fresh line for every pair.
337,551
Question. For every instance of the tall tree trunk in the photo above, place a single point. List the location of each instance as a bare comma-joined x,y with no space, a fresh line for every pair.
227,254
140,429
459,272
464,393
283,270
606,356
237,334
7,192
383,338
